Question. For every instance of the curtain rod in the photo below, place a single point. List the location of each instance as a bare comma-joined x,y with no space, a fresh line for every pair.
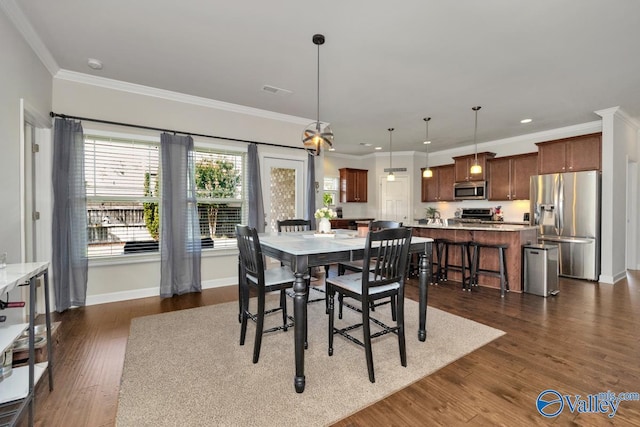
108,122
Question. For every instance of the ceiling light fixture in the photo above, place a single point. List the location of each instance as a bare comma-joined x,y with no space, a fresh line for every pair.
427,173
317,133
476,168
391,176
94,64
525,121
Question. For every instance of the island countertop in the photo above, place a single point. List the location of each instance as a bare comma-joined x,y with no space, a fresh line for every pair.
475,226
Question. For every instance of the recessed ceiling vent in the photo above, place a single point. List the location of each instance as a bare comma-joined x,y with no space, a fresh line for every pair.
276,90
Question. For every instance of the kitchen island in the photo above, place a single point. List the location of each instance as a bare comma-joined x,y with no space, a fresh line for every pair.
514,235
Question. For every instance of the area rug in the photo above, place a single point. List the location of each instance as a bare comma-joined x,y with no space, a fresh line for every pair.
186,368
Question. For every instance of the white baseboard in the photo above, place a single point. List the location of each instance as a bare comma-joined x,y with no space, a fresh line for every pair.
610,280
152,292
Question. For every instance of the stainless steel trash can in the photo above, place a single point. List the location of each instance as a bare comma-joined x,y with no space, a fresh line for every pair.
540,269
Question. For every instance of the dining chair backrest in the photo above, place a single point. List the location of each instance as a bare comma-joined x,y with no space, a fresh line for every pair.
251,257
385,257
293,225
376,225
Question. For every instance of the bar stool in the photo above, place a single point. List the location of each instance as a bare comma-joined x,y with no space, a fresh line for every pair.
438,261
502,269
463,267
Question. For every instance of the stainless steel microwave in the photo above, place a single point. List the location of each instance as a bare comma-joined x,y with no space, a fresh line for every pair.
471,190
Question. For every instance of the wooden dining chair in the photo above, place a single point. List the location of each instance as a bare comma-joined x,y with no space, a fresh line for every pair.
357,265
296,226
383,275
253,275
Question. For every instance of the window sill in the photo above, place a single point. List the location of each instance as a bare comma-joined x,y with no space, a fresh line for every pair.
154,257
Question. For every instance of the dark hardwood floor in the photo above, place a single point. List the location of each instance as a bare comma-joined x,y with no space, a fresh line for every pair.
584,341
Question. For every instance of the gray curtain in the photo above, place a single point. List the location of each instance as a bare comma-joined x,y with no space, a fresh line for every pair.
256,205
180,245
69,262
311,191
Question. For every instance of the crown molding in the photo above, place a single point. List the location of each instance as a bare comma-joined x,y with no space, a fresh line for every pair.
24,27
138,89
621,114
546,135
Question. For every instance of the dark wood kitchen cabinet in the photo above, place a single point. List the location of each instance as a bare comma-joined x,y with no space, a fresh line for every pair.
463,167
509,176
438,188
353,185
578,153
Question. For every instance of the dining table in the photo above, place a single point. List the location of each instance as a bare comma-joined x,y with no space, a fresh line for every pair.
303,250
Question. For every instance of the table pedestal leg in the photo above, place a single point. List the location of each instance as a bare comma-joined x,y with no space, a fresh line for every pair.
424,279
300,315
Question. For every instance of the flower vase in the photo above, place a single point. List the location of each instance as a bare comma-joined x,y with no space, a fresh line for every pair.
324,225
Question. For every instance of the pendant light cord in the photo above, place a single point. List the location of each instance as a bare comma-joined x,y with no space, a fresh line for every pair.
475,133
318,91
390,146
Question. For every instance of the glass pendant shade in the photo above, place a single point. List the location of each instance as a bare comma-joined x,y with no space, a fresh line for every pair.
427,173
476,169
317,133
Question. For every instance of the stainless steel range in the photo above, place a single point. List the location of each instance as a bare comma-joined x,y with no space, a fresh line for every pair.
475,215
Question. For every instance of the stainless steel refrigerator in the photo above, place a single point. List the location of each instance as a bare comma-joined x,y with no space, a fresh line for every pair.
566,209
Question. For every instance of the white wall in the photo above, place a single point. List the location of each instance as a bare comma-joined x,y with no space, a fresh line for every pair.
103,99
619,143
22,75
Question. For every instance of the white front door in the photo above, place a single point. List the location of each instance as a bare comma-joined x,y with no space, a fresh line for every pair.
282,190
394,199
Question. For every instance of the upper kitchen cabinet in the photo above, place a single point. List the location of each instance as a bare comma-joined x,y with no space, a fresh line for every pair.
463,166
353,185
578,153
509,176
438,188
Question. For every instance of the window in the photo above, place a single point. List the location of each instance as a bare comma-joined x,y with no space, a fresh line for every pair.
123,195
330,191
220,194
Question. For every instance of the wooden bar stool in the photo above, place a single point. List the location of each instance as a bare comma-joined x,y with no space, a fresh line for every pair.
502,269
463,267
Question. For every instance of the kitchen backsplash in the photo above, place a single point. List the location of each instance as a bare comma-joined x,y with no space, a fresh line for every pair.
512,211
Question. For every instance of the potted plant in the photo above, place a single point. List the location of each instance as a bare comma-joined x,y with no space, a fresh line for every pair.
433,215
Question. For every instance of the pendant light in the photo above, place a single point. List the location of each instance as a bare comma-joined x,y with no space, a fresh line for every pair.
317,132
476,168
427,173
391,176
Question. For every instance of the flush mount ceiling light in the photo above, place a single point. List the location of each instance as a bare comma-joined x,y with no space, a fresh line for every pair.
94,64
476,168
525,121
317,133
427,173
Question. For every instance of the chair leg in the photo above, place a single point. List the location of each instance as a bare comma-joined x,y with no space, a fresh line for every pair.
326,297
259,327
244,308
394,310
330,296
283,307
400,324
366,331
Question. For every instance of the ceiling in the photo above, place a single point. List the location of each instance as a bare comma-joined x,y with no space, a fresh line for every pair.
384,64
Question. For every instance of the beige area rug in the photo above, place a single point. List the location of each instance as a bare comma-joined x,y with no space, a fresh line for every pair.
186,368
